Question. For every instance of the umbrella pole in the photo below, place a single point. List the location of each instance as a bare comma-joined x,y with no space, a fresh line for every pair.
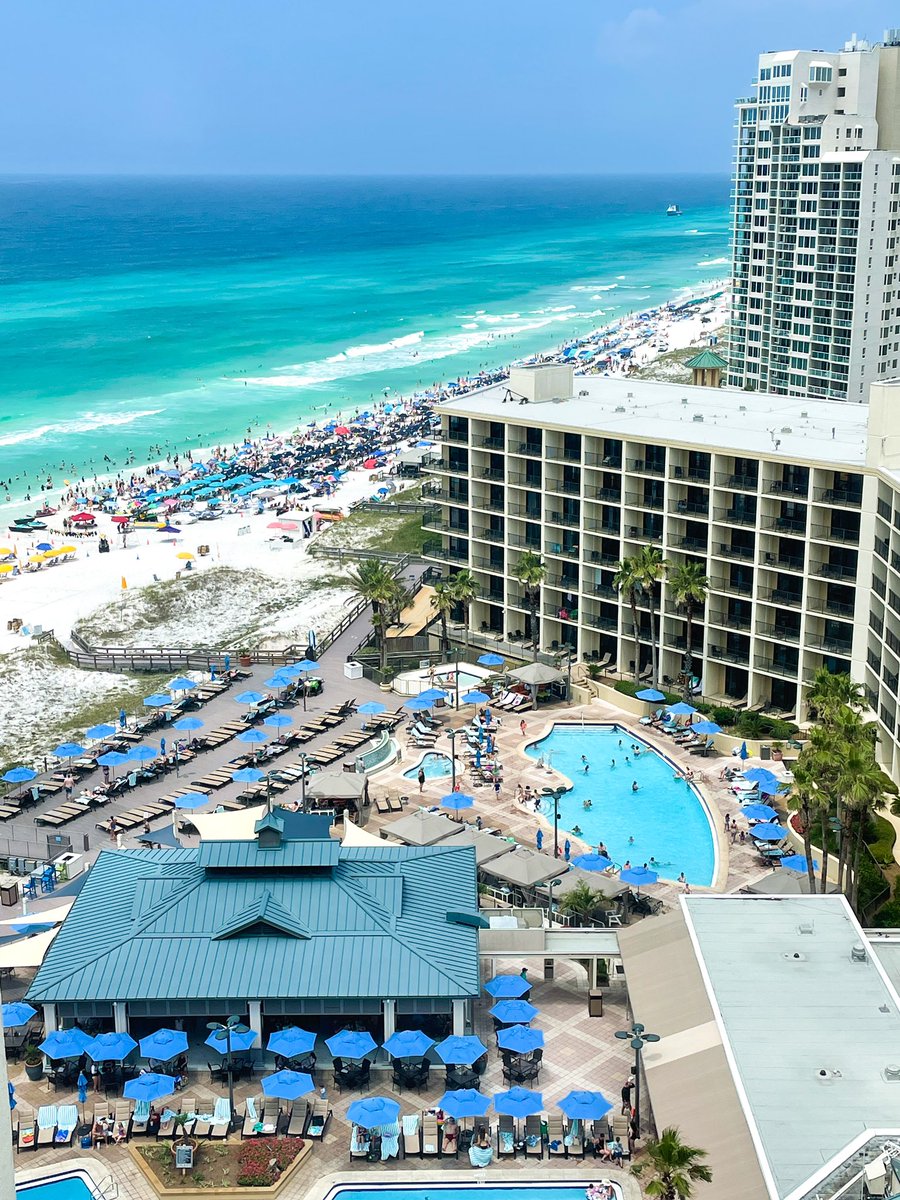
7,1169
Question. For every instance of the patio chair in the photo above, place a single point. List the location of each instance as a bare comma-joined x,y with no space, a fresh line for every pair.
46,1123
506,1137
140,1121
319,1116
556,1144
122,1112
221,1122
67,1121
360,1143
430,1139
412,1136
620,1127
574,1139
27,1139
254,1115
534,1138
298,1119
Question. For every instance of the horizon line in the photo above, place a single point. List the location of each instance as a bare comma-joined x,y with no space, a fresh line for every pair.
25,175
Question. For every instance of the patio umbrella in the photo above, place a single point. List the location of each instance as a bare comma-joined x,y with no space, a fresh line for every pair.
288,1085
585,1106
164,1044
591,862
351,1043
292,1042
248,775
142,753
464,1102
455,1050
771,789
514,1012
759,812
761,775
65,1043
278,721
240,1040
187,723
768,832
518,1102
82,1084
249,697
191,800
520,1039
417,704
110,1046
19,775
638,876
167,529
476,697
181,684
112,758
796,862
68,750
252,735
157,700
507,987
433,694
149,1087
706,728
306,664
457,801
491,660
96,732
279,681
743,753
680,709
17,1013
372,708
651,695
408,1043
373,1111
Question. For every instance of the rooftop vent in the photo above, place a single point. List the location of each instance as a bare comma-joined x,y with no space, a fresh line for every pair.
804,413
684,399
697,418
795,957
786,429
742,408
884,1008
629,395
828,1074
891,1073
620,408
584,392
858,953
806,928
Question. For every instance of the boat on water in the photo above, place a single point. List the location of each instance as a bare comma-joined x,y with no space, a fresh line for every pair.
673,211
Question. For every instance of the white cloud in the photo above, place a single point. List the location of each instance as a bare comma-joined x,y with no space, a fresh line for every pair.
637,35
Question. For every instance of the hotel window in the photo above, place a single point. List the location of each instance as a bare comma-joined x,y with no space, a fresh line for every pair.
819,74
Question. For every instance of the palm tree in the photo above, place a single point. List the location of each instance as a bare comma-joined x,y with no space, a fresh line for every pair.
675,1167
443,602
464,589
651,568
373,582
580,902
831,692
627,582
688,586
531,573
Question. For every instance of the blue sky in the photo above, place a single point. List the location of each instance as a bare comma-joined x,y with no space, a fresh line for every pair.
396,86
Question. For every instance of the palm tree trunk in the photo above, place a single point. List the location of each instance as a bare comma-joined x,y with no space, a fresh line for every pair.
854,895
823,824
534,603
445,635
466,623
637,637
807,848
844,847
688,661
654,665
380,639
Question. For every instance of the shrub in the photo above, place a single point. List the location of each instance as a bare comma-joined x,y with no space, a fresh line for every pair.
880,837
888,916
629,688
254,1160
723,716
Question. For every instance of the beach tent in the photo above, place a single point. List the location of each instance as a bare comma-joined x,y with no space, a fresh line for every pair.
421,828
338,785
525,868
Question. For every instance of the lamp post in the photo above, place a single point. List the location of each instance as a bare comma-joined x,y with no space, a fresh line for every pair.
451,734
302,782
637,1036
225,1030
555,797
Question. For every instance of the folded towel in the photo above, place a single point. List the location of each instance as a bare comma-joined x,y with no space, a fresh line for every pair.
222,1115
62,1135
168,1115
142,1110
430,1148
532,1139
411,1125
251,1108
506,1140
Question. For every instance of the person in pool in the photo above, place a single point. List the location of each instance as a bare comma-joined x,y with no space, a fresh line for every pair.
576,829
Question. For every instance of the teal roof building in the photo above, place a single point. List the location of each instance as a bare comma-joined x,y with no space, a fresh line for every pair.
287,928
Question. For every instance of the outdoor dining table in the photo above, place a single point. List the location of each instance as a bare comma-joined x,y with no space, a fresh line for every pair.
461,1077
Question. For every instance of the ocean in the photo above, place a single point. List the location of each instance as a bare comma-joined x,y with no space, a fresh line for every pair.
137,313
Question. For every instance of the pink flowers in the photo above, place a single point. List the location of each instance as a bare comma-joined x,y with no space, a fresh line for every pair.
255,1157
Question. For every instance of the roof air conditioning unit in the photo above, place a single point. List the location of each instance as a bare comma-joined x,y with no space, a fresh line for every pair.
804,414
620,408
786,429
891,1073
806,927
697,418
742,408
684,399
629,395
858,953
584,392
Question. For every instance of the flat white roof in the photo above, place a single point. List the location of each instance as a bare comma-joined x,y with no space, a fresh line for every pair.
733,421
808,1031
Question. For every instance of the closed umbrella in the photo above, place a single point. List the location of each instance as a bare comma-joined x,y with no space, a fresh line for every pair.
507,986
520,1039
291,1042
149,1087
351,1043
164,1044
519,1102
408,1043
82,1087
289,1085
743,753
373,1111
585,1106
464,1102
514,1012
455,1050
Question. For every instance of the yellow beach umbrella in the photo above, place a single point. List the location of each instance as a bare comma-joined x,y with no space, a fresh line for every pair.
5,568
184,554
66,550
6,550
37,558
52,553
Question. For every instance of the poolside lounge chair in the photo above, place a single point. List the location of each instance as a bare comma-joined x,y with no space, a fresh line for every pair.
67,1121
27,1139
46,1121
506,1137
412,1136
141,1119
390,1140
221,1121
556,1145
430,1138
620,1128
360,1144
534,1138
298,1118
320,1115
122,1112
574,1139
253,1115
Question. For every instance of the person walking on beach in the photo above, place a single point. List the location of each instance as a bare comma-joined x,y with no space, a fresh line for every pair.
68,784
421,779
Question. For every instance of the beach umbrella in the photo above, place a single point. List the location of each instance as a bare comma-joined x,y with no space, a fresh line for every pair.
149,1087
591,862
248,775
164,1044
252,735
797,862
706,728
82,1084
241,1039
518,1102
772,789
187,723
29,926
514,1012
417,704
167,529
191,800
278,681
157,700
490,660
249,697
289,1085
507,987
17,1013
19,775
142,754
759,812
108,1047
112,758
68,750
760,775
457,801
476,698
743,753
292,1042
638,876
520,1039
122,718
371,708
768,832
456,1049
373,1111
408,1043
433,694
651,695
65,1043
464,1102
351,1043
181,684
278,721
585,1106
681,709
96,732
539,836
185,554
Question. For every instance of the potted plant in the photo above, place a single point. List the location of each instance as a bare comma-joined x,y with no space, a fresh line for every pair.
245,658
777,751
179,1137
385,678
34,1063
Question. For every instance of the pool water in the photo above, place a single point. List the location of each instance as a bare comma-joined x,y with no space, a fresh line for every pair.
437,1191
71,1188
435,766
665,818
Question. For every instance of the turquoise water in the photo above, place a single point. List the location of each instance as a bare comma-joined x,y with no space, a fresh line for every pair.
466,1191
139,313
435,766
665,819
60,1189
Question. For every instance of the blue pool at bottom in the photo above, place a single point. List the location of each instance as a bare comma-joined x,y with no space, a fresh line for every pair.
573,1191
435,766
71,1188
664,819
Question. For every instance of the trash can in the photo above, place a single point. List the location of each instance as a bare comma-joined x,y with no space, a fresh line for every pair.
9,891
353,670
595,1002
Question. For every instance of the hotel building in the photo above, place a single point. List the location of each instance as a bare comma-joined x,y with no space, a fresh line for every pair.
792,506
816,301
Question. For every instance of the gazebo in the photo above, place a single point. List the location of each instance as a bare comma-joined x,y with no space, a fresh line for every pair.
421,828
707,368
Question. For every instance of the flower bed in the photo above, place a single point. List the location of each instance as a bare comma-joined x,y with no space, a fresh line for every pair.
262,1161
227,1168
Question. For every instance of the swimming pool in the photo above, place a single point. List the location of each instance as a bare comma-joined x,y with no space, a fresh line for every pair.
70,1187
435,766
429,1189
664,819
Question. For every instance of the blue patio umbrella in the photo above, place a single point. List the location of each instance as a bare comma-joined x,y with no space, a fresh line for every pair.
240,1040
65,1043
373,1111
32,927
96,732
191,800
768,832
306,664
518,1102
164,1044
162,746
278,721
19,775
149,1087
248,775
181,684
539,839
351,1043
433,694
681,709
142,753
638,876
796,862
122,718
455,1049
585,1106
44,546
771,789
759,812
651,695
110,1047
112,758
514,1012
289,1085
760,775
503,987
464,1102
457,801
249,697
371,708
520,1039
706,728
491,660
408,1043
17,1013
279,681
68,750
476,697
184,724
157,700
252,735
743,753
591,862
291,1042
417,704
82,1084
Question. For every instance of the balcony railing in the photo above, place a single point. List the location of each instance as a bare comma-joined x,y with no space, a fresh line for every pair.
531,449
486,442
723,654
783,596
785,670
780,633
785,524
783,562
735,516
637,500
834,533
691,508
833,608
489,535
741,588
783,487
740,483
641,466
697,544
838,496
832,571
560,454
610,624
566,486
570,520
728,620
746,553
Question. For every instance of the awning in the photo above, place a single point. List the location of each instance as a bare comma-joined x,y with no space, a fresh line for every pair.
537,673
421,828
228,826
337,785
526,868
354,836
27,952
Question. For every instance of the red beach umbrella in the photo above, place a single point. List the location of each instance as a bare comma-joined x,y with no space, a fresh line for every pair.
82,516
342,430
120,520
370,464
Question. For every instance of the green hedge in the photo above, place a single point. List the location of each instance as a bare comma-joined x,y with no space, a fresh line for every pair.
880,838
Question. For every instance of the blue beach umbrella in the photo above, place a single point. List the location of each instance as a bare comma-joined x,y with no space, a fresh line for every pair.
249,697
278,721
157,700
164,1044
240,1040
17,1013
373,1111
681,709
514,1012
457,801
306,664
96,732
638,876
289,1085
31,927
771,789
279,681
181,684
518,1102
491,660
796,862
706,728
408,1043
82,1085
149,1087
44,546
112,758
292,1042
252,735
503,987
371,708
65,1043
591,862
351,1043
68,750
476,698
454,1050
743,753
19,775
417,704
651,695
184,724
433,694
768,832
248,775
759,812
464,1102
585,1106
191,800
520,1039
760,775
142,753
109,1047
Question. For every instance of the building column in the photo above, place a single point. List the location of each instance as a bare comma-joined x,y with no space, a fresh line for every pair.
459,1018
120,1016
50,1021
389,1011
254,1019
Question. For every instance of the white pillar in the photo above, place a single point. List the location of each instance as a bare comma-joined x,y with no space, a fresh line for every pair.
7,1167
459,1018
50,1021
389,1010
120,1016
254,1019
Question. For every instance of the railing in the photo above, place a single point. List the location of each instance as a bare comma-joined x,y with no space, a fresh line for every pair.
379,754
402,507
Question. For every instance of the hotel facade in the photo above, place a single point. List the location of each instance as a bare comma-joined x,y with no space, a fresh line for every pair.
791,506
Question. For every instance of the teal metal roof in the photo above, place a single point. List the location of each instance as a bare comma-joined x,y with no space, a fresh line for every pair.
155,924
249,856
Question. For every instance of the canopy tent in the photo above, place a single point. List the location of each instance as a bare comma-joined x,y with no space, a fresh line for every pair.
536,673
421,828
525,868
487,845
337,785
228,826
608,886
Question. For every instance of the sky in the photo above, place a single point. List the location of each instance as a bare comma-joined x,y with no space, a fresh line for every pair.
346,87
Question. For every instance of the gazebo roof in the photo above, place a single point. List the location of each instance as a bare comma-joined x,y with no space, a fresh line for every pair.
707,359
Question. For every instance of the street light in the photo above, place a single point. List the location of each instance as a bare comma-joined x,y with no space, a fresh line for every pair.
224,1030
451,734
637,1036
555,796
303,782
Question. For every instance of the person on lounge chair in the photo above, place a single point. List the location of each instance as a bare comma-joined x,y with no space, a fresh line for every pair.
481,1152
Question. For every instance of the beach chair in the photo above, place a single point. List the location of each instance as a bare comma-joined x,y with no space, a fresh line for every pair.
253,1115
221,1122
506,1137
431,1144
166,1128
412,1136
534,1138
556,1144
359,1144
390,1140
140,1121
574,1139
320,1115
46,1124
27,1139
203,1125
620,1127
122,1112
67,1121
298,1119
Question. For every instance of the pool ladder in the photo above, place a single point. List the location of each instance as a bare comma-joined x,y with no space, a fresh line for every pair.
106,1189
